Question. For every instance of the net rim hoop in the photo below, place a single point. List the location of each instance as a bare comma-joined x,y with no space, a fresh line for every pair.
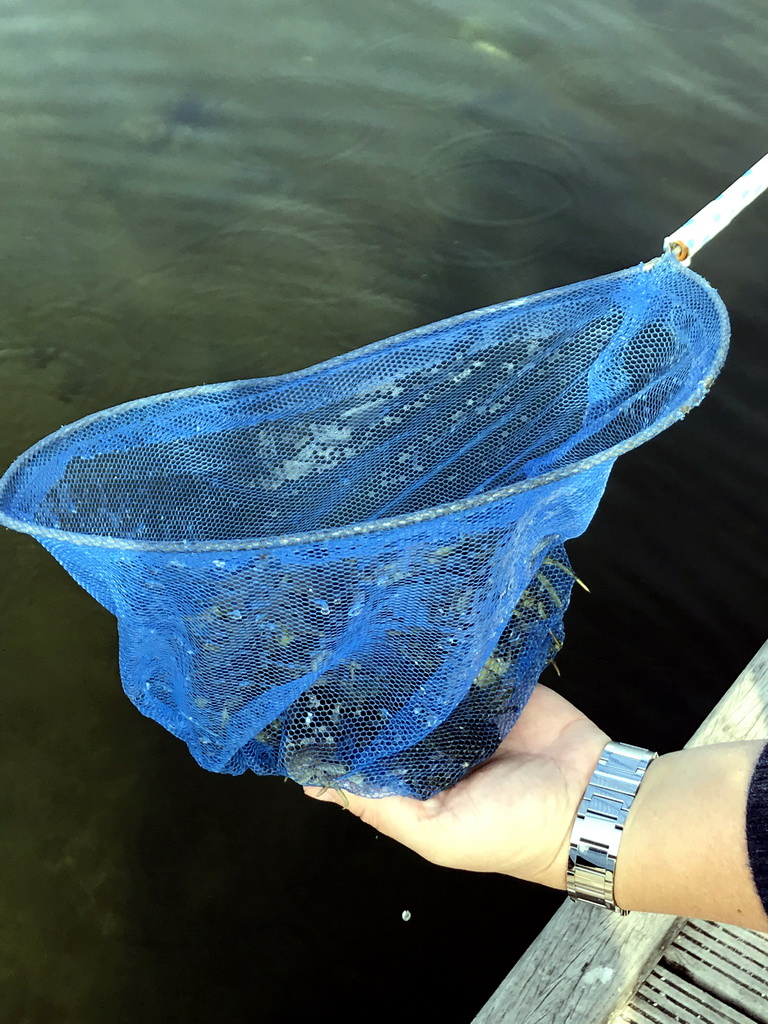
609,455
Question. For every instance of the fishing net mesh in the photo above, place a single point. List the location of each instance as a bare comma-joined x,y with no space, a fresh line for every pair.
354,575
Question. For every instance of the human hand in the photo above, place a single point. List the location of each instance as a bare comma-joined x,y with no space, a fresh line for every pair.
514,813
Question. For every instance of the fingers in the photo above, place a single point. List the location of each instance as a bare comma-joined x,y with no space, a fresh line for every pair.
398,817
323,794
373,812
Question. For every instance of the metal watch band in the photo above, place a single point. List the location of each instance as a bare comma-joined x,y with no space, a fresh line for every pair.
599,823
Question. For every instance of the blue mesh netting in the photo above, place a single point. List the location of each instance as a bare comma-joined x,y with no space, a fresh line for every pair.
354,575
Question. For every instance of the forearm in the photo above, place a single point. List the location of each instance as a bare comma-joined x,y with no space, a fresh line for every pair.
684,848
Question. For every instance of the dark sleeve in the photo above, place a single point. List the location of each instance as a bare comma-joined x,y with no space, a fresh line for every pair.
757,826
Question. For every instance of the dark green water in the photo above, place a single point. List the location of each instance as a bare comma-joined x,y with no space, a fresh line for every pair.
193,192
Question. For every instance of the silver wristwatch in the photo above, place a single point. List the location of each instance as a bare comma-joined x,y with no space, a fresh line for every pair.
599,823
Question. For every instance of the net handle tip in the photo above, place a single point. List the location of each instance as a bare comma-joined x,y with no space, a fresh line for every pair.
679,249
686,240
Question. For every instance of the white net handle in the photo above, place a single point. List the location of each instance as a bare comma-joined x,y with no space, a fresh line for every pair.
688,239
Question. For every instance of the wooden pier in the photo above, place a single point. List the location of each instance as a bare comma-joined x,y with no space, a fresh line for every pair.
591,967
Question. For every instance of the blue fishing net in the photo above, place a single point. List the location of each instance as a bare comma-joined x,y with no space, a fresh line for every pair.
354,575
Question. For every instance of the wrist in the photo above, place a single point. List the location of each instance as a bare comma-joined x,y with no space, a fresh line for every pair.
575,774
684,850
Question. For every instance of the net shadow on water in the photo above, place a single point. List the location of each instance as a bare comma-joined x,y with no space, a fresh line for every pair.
500,179
482,223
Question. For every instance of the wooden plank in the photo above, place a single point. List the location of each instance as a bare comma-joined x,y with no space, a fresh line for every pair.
667,999
729,962
742,714
586,964
583,967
